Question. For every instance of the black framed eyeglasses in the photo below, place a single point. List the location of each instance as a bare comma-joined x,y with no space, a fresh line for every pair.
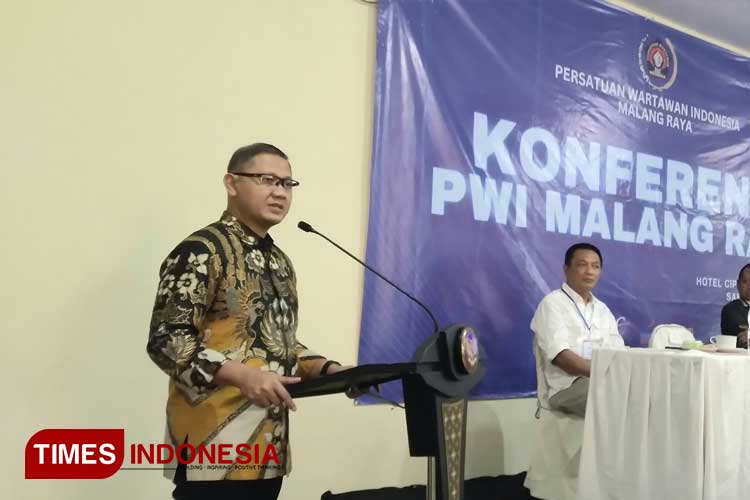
269,179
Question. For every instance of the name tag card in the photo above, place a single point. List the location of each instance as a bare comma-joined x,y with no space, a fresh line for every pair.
587,349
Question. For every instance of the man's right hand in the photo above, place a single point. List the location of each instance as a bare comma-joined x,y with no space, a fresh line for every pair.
262,388
267,388
572,364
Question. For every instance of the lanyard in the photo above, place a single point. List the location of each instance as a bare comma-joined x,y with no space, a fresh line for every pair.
578,310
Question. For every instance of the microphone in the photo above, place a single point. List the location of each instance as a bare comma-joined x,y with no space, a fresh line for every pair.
309,229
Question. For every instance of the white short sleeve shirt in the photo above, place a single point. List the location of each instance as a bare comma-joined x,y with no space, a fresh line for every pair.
563,320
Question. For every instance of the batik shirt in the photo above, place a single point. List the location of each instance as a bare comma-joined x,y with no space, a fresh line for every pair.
226,294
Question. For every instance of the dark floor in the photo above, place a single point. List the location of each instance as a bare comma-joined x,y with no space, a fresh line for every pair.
480,488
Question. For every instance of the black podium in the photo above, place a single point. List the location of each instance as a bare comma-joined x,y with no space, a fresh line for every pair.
436,383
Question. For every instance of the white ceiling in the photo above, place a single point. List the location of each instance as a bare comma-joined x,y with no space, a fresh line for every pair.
724,21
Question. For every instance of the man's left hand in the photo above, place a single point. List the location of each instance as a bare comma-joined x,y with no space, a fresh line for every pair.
742,339
334,368
352,392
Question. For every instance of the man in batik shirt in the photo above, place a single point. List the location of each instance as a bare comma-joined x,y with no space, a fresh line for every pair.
223,328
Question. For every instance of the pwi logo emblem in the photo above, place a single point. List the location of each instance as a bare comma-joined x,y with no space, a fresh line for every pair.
658,61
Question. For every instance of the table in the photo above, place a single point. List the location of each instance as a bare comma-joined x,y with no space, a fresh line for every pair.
664,424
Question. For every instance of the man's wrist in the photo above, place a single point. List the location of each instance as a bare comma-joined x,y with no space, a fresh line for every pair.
233,373
327,365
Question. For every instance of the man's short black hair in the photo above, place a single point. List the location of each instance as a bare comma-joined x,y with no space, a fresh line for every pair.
583,246
739,276
247,153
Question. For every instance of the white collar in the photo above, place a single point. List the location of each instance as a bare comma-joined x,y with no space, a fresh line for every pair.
574,295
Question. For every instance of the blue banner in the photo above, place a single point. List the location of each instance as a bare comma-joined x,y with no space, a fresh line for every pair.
505,131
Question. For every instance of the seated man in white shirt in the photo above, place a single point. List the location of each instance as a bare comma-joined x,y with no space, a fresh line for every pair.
569,323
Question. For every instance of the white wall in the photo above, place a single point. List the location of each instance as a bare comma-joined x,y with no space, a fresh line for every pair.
117,120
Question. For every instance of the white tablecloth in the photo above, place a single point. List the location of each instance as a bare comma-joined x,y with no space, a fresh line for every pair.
664,424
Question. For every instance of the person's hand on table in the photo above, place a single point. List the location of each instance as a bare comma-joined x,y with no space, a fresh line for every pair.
742,338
